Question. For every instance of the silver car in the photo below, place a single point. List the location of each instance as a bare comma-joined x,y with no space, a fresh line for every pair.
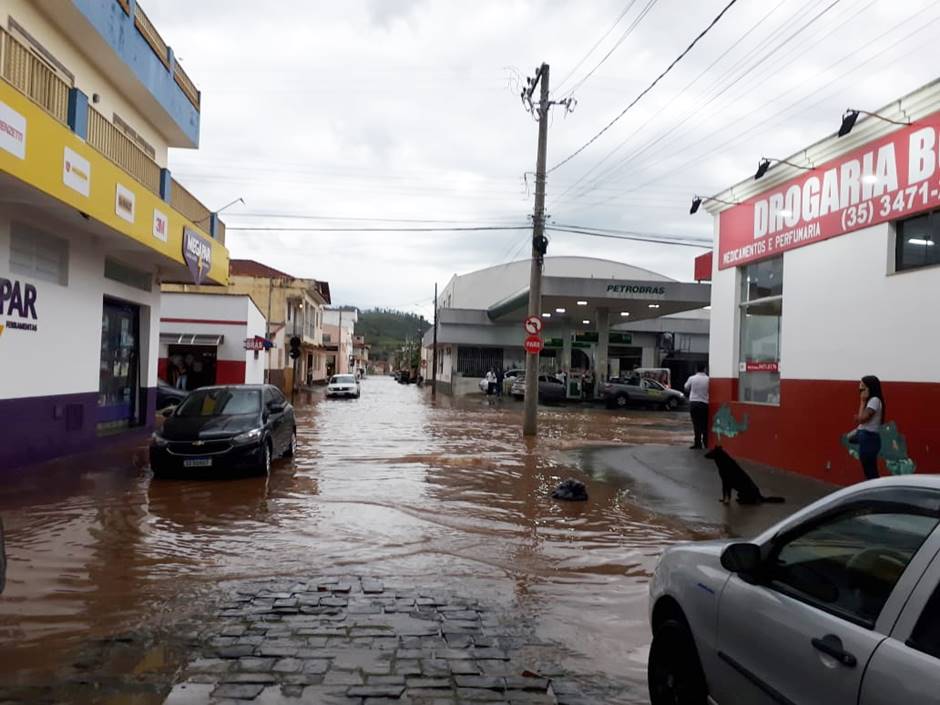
620,393
550,388
838,604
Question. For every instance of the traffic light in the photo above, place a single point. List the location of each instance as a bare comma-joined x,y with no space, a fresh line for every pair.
294,347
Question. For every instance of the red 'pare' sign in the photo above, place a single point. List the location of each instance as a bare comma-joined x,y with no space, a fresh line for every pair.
533,344
890,178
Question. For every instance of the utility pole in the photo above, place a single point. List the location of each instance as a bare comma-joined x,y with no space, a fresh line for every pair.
539,247
539,241
434,350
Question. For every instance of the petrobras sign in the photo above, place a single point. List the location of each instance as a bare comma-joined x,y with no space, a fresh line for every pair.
12,131
197,253
891,178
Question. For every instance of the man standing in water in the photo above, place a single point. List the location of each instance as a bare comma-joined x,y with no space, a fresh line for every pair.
696,389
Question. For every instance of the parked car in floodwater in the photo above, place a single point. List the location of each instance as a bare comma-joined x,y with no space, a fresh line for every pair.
550,388
233,428
837,604
618,392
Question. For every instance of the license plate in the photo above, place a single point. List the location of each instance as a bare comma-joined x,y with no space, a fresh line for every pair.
197,463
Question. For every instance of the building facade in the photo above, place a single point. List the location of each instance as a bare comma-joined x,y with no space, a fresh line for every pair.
339,333
822,275
598,315
210,339
293,307
91,221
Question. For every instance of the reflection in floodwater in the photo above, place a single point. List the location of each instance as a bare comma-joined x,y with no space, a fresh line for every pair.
388,485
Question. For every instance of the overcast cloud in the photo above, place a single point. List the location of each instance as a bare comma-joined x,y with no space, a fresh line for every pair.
396,109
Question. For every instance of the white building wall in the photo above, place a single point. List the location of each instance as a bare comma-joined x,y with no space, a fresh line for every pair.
723,334
88,78
837,293
255,364
64,354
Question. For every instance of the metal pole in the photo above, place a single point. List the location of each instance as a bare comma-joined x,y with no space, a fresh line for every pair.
530,418
339,346
434,351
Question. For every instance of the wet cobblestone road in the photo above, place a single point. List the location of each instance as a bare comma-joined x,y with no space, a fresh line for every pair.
121,587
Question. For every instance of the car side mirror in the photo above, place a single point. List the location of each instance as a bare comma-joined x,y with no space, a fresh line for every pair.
276,407
168,412
742,558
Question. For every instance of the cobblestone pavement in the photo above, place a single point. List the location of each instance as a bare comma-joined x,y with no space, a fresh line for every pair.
352,640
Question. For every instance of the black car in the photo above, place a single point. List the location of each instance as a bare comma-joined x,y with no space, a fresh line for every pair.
234,428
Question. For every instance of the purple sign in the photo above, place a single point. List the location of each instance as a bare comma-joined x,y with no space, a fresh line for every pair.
197,253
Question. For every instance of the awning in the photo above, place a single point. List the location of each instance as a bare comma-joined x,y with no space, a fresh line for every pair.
190,339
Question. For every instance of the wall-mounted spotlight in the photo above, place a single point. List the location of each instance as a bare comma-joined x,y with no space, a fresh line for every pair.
851,117
765,163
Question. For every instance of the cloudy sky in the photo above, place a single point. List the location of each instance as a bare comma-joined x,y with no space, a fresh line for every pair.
389,113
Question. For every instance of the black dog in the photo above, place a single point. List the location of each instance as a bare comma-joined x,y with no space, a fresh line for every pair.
733,477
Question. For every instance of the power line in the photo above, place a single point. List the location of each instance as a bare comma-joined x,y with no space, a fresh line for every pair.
633,238
301,216
596,44
633,25
783,114
471,228
657,116
646,90
697,113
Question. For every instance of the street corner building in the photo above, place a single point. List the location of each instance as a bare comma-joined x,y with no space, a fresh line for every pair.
825,269
598,315
91,221
208,339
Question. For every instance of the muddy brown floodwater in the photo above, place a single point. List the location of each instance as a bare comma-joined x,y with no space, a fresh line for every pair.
390,485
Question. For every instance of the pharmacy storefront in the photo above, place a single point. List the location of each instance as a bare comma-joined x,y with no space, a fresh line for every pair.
825,274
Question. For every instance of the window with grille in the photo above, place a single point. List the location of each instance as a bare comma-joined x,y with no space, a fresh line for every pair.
37,254
476,362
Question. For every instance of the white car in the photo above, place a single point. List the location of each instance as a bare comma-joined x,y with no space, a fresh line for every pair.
343,386
839,604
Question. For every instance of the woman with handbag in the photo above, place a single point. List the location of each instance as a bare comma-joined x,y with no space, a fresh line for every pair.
871,409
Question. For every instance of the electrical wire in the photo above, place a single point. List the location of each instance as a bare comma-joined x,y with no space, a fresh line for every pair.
634,238
657,116
633,25
472,228
786,113
645,90
698,114
584,58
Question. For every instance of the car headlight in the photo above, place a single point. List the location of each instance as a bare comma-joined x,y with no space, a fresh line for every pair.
158,440
248,437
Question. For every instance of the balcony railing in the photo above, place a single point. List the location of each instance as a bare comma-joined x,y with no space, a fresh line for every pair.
31,76
24,71
189,205
151,35
120,149
162,51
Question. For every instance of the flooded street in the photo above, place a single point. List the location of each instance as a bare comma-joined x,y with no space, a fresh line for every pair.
391,486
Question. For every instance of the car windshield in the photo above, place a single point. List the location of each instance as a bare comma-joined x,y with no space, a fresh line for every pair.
342,379
221,402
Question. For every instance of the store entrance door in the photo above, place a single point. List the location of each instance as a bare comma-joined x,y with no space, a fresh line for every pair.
118,381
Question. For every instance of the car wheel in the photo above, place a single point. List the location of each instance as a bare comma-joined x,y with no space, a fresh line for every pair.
621,400
672,404
266,458
292,445
674,673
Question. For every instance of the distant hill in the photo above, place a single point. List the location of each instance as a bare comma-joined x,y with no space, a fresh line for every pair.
387,330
